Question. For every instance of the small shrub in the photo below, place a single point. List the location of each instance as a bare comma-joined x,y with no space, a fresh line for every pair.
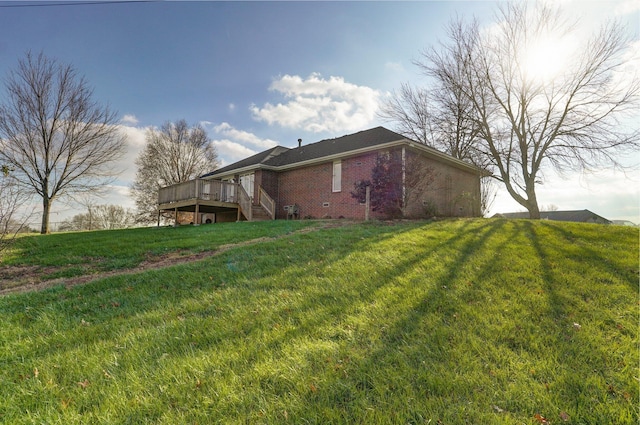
430,209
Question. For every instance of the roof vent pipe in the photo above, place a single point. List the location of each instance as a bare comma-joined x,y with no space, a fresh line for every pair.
299,142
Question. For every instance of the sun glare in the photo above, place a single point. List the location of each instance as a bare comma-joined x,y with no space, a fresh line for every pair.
546,58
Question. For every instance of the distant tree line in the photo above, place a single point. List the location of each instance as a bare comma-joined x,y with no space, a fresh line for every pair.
100,217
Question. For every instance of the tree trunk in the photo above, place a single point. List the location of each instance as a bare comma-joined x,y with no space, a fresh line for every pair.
532,200
534,210
46,210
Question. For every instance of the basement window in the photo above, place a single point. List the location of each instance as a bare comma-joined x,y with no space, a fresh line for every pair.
325,204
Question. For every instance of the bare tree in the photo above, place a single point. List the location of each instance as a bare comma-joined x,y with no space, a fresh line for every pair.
413,111
174,154
53,134
101,217
570,120
113,217
441,116
12,219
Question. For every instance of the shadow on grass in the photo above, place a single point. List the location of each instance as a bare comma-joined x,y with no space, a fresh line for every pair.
594,366
594,247
66,324
365,324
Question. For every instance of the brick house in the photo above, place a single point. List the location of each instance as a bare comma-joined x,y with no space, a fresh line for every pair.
317,180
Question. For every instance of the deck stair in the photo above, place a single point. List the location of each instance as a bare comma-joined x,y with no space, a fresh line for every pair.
259,214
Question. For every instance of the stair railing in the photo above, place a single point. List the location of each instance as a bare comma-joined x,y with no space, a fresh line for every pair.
244,200
267,203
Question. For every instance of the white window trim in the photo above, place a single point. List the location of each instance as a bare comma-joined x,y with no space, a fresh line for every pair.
336,180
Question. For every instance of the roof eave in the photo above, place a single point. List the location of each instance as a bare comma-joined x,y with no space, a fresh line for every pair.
458,163
326,158
242,170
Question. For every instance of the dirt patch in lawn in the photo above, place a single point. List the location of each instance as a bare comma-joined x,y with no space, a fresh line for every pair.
19,279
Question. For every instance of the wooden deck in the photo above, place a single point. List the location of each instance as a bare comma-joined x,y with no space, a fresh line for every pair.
201,196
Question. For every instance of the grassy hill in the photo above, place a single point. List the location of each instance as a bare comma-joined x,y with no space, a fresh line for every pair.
452,322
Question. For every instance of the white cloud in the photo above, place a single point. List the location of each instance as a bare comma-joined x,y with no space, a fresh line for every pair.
240,136
230,151
627,7
316,104
394,66
631,68
134,144
232,107
117,195
129,119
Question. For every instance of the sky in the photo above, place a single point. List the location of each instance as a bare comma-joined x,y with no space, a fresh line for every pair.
258,74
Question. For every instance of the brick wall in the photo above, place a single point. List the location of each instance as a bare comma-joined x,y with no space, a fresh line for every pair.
268,180
451,191
311,189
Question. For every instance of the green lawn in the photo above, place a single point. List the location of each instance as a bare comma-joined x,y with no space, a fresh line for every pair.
451,322
79,253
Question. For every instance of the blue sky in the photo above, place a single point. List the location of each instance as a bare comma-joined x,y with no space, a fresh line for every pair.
260,73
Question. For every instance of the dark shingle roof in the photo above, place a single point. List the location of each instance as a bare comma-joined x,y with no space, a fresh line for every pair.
581,216
329,147
281,156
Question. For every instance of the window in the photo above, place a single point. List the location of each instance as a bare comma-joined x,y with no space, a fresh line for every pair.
337,176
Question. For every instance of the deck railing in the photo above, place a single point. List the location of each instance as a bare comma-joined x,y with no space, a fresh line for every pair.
215,190
206,190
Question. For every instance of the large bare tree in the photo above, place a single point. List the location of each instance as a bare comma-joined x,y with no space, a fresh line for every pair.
534,110
173,154
57,139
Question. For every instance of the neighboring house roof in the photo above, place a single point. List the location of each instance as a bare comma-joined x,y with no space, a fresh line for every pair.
280,158
581,216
